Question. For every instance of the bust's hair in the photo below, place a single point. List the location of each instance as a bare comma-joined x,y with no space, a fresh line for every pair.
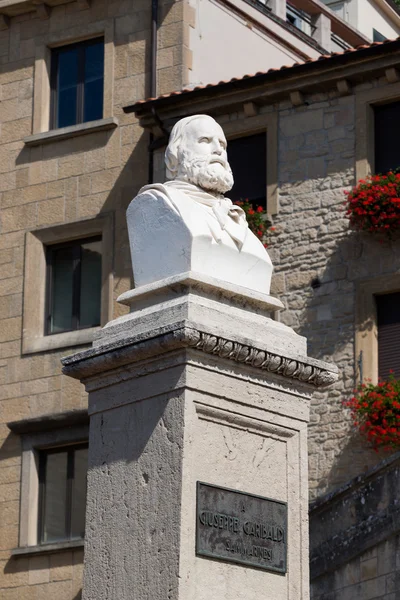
175,139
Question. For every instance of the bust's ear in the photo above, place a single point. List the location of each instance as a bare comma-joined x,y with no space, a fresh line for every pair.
171,161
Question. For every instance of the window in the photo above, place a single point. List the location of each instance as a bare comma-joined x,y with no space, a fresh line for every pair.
77,74
387,130
248,159
42,313
62,494
338,8
378,37
377,339
53,480
299,19
73,285
388,321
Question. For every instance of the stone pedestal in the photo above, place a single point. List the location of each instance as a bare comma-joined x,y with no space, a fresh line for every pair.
197,384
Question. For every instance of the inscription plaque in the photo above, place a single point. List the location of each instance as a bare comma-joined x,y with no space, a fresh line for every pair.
241,528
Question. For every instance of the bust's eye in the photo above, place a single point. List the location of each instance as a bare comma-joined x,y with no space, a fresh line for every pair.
205,140
223,144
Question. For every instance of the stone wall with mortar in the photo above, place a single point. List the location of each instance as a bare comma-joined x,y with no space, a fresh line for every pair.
354,538
318,260
373,574
58,183
319,263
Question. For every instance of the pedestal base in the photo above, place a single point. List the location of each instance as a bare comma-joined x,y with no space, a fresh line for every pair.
193,399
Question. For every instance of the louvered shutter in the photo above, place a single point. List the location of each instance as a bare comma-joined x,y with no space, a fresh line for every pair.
388,312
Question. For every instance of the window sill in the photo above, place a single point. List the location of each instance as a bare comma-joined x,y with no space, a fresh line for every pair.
59,340
64,133
48,548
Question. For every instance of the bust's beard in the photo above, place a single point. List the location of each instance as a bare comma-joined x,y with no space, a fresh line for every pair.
213,177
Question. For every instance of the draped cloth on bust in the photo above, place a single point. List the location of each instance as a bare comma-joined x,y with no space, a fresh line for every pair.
228,217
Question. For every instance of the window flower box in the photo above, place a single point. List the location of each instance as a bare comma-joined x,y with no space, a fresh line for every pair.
373,205
375,411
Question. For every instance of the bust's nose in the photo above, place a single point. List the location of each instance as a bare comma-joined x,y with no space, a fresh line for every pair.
216,147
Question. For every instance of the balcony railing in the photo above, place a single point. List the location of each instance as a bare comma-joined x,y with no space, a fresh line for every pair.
338,45
300,19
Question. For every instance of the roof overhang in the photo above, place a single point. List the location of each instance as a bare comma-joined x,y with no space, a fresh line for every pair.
352,67
13,8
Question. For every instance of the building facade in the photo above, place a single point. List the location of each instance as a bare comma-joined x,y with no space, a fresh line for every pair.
325,125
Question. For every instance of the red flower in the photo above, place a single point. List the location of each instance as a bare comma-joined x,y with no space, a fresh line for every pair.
255,219
374,204
376,412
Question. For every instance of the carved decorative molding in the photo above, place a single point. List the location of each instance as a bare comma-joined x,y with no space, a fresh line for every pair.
262,359
128,350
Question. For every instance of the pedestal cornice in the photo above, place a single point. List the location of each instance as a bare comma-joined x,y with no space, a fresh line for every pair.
187,335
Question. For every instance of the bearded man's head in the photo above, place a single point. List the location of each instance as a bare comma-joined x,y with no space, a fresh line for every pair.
197,153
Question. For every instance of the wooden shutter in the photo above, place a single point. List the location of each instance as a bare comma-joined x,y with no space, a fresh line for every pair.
388,313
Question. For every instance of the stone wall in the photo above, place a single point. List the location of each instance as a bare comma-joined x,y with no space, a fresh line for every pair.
319,263
354,538
58,183
322,269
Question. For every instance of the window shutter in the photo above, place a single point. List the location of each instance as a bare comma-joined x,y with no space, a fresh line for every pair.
388,313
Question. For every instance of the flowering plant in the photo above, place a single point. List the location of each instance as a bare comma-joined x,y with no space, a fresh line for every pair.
376,412
256,219
374,204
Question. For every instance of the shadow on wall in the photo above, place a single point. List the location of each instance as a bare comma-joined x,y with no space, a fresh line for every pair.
328,321
123,149
103,153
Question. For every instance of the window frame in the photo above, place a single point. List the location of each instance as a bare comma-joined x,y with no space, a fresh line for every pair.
34,296
75,244
365,122
366,324
41,132
69,428
43,453
80,99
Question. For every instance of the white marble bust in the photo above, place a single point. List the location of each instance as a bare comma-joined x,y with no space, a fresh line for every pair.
187,224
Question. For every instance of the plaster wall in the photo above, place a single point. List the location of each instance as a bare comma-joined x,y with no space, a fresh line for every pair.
370,16
225,44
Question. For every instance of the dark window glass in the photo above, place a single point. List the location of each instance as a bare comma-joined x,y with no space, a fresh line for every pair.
67,84
378,37
62,493
248,159
74,285
388,316
93,86
387,131
77,83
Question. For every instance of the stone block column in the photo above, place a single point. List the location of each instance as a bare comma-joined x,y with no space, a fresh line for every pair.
197,384
322,32
278,7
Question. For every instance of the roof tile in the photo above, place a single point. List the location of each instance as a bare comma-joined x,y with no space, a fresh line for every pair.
323,57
